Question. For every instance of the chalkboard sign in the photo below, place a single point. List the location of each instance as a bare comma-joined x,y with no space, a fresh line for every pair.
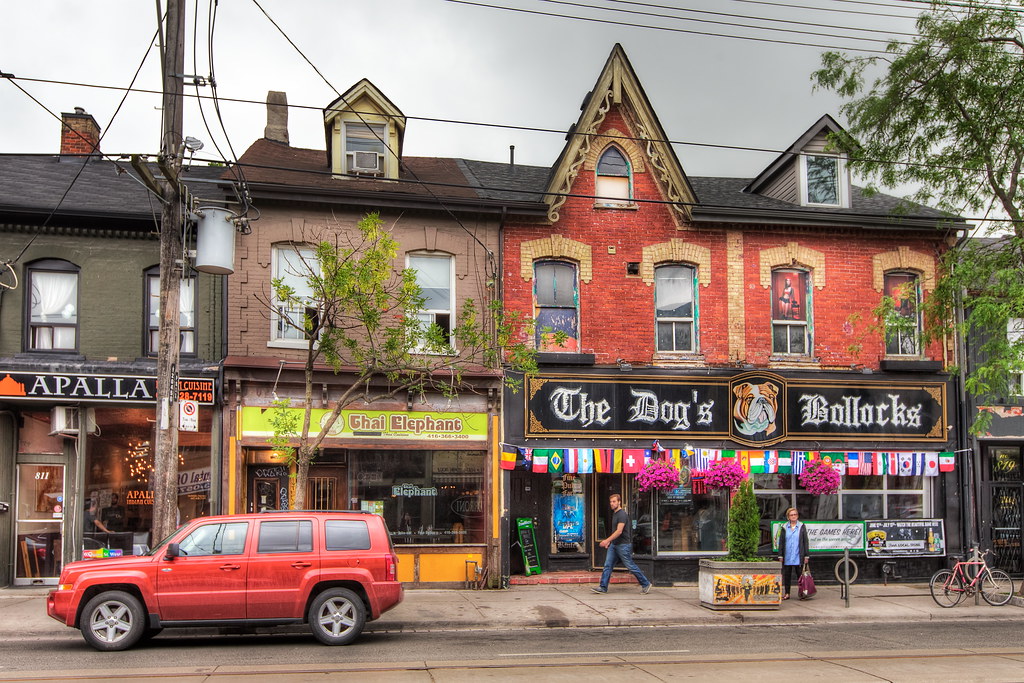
528,544
906,538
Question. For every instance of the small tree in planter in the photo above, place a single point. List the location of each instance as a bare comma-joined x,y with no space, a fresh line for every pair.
744,526
742,579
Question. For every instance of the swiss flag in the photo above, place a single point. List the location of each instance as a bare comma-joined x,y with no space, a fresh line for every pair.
632,459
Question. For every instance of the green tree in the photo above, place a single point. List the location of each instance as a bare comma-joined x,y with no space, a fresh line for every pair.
946,114
362,316
744,525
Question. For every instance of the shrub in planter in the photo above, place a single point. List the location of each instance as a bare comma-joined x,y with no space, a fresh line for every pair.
744,526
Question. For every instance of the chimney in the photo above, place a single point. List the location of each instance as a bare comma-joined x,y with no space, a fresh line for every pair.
277,117
79,133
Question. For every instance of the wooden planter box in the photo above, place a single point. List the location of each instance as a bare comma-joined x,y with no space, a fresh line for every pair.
740,585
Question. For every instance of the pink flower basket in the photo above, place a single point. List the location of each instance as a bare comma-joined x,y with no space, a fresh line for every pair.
820,478
658,474
725,473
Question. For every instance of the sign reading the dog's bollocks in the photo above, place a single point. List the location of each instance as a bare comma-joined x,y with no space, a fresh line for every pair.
757,409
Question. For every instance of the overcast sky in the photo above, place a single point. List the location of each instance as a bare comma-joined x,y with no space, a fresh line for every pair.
440,59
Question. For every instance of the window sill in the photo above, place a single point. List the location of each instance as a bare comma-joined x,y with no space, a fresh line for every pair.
909,364
300,344
552,358
626,207
669,359
781,361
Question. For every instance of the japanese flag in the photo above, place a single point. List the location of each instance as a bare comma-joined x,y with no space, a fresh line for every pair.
931,464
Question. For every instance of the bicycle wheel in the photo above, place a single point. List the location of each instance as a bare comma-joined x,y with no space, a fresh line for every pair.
947,588
996,587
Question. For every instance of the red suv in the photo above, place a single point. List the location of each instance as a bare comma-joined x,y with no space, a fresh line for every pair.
331,570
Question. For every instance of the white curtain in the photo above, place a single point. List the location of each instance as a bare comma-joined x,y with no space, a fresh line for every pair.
53,295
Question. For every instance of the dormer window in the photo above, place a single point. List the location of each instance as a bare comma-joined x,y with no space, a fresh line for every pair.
365,150
823,180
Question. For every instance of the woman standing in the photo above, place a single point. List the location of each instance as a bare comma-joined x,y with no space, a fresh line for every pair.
793,549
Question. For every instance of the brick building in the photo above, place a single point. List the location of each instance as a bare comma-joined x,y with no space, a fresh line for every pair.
79,312
722,317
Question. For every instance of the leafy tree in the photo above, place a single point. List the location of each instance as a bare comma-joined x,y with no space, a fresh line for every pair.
744,525
947,115
361,316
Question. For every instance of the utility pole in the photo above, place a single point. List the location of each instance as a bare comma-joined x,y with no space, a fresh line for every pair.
165,460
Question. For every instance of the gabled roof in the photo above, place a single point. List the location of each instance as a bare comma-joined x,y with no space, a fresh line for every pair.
826,124
618,85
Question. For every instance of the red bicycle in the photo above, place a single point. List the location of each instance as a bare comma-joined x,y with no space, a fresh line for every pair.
967,577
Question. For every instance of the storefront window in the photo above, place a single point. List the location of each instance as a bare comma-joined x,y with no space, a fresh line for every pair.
692,522
119,464
425,496
568,513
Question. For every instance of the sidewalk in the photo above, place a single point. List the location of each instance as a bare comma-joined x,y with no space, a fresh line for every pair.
23,610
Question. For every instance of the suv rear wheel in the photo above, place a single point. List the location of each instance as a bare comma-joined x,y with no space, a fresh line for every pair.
112,621
337,616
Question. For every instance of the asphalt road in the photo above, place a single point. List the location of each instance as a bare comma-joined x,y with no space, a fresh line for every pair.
948,651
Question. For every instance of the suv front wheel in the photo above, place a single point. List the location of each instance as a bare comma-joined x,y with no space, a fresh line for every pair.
113,621
337,616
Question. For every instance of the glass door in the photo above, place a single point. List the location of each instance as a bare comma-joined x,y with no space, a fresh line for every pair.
604,485
39,525
1003,487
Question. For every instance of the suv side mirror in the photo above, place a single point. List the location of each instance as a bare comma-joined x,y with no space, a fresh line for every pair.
172,551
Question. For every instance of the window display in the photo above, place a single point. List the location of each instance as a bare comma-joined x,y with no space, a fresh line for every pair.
425,496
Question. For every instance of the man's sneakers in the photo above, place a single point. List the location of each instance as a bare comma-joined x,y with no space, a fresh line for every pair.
644,590
599,590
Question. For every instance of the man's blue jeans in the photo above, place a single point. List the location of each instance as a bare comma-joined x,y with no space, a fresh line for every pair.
624,552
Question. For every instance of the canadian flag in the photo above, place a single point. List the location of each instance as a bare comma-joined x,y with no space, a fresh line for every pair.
946,461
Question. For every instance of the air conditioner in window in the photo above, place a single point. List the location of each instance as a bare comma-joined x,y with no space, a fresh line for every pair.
366,162
67,420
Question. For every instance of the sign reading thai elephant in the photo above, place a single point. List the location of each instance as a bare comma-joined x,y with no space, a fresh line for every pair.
754,408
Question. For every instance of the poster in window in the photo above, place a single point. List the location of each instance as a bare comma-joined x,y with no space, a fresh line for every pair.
789,290
568,517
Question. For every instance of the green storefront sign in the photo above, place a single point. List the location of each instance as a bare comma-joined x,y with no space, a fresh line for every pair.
381,424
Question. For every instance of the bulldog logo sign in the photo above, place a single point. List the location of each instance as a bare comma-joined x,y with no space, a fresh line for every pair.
755,409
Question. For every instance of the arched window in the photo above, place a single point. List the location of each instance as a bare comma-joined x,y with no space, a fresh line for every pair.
791,312
675,307
52,306
903,324
556,305
434,275
186,308
614,184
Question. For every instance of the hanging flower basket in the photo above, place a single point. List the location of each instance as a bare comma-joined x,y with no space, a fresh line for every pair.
820,478
658,474
725,474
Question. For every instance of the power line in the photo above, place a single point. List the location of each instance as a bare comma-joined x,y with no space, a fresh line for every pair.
735,16
663,28
858,12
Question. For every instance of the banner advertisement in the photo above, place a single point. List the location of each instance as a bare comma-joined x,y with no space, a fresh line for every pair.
828,537
906,538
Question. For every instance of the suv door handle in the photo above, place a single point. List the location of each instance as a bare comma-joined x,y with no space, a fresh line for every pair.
301,565
228,567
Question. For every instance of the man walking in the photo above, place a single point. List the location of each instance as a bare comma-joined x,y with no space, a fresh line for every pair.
620,547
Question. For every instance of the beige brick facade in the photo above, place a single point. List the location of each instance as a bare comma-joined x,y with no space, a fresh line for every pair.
555,247
676,251
903,258
792,254
737,331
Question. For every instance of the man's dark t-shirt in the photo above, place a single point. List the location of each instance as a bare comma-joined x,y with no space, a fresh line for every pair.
627,531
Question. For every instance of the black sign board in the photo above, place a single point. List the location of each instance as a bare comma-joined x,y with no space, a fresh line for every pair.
528,545
905,538
85,388
753,408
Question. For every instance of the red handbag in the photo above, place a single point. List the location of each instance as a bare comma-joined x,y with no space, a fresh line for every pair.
805,583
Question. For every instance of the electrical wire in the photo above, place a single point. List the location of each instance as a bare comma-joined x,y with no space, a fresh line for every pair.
88,157
664,28
737,16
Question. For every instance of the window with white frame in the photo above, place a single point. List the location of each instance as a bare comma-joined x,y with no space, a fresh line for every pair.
52,306
186,317
613,184
556,306
823,180
434,275
903,323
366,150
675,307
292,266
1015,338
791,330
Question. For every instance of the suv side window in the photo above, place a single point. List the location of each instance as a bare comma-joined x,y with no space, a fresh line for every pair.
215,539
346,534
286,537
